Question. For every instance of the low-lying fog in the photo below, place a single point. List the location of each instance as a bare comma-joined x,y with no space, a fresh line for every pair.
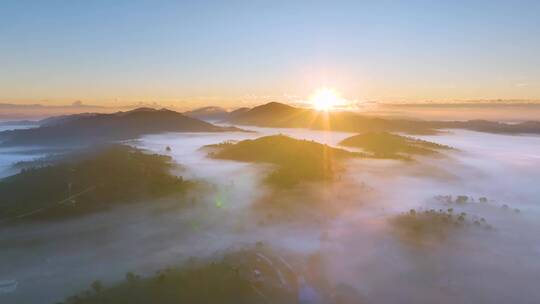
356,242
10,156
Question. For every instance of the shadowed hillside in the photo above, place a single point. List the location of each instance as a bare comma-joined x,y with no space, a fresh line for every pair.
296,160
91,128
87,182
274,114
387,145
246,276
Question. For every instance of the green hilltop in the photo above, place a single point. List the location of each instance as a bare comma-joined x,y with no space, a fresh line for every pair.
296,160
388,145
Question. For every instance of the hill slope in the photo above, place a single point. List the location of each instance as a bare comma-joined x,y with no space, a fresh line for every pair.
296,160
387,145
92,128
252,275
86,182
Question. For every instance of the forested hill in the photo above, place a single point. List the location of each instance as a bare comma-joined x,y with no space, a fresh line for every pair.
85,182
296,160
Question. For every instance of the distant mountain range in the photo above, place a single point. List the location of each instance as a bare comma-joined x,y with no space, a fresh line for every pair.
89,128
208,113
280,115
14,114
9,111
215,113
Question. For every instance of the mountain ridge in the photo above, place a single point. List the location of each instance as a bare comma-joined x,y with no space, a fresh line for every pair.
89,128
276,114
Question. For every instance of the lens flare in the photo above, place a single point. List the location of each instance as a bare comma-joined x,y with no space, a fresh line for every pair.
326,99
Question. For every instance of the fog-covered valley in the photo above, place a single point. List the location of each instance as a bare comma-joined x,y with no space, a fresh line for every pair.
347,226
269,152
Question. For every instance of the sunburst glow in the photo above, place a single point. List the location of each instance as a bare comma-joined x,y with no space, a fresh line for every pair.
326,99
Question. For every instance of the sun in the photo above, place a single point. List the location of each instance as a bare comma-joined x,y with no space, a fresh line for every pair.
325,99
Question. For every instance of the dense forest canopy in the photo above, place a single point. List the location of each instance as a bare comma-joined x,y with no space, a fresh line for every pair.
86,182
252,275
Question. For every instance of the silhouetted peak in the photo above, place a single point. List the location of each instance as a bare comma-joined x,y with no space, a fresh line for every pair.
240,110
275,105
210,109
146,110
142,109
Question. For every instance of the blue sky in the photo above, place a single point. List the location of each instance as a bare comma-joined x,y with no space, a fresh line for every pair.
229,51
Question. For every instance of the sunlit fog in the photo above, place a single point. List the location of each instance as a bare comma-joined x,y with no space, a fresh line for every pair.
348,224
269,152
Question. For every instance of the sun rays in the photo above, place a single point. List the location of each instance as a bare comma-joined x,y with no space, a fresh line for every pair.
326,99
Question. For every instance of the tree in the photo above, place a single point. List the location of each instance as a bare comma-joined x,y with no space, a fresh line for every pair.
97,286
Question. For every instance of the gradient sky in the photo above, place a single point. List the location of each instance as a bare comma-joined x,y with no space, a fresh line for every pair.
222,52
